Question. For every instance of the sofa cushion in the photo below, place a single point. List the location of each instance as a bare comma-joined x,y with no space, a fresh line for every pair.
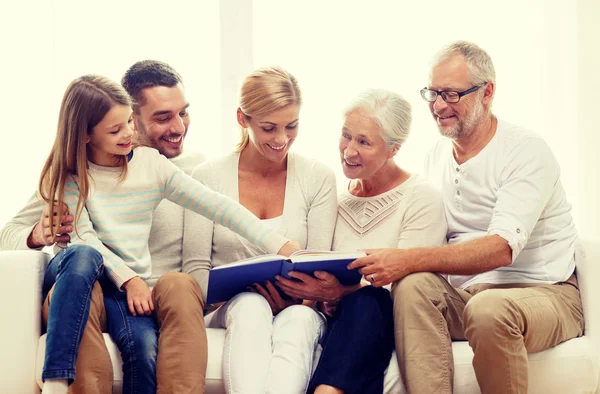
214,382
570,367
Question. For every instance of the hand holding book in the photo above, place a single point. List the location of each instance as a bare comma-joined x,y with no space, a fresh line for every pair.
228,280
321,287
274,297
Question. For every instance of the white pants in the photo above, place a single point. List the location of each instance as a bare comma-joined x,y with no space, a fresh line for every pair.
263,354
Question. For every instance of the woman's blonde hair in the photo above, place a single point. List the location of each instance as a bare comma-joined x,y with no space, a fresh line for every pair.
264,91
84,104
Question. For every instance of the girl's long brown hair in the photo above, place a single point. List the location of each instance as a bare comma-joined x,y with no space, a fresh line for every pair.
84,105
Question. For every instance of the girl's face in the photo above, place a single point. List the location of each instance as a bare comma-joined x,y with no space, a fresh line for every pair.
111,137
273,134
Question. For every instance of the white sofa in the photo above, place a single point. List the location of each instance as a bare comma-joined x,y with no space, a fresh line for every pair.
570,368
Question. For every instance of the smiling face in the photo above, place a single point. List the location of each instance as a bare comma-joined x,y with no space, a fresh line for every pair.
162,122
363,152
273,134
111,138
458,120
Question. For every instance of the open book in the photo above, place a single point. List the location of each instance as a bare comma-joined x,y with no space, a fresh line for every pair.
227,280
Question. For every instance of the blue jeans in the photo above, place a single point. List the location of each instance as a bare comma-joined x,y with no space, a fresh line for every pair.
73,272
358,343
137,340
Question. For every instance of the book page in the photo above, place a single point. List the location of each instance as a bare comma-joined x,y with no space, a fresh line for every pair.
252,260
335,263
322,255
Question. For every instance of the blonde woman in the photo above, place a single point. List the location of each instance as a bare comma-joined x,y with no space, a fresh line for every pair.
270,342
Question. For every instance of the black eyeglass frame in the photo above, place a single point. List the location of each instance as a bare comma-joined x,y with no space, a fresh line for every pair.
444,92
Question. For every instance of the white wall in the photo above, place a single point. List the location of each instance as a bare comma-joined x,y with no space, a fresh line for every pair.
46,44
545,54
26,99
338,47
586,134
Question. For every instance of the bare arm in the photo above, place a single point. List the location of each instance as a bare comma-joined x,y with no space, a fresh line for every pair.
467,258
528,179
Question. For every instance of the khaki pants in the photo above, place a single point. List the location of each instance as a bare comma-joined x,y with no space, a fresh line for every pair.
182,344
501,322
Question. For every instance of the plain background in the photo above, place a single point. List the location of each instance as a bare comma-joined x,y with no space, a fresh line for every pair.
546,53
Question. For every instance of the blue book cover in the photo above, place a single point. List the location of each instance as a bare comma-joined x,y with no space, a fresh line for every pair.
228,280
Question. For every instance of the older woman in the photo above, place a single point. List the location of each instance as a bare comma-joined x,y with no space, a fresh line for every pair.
383,206
270,343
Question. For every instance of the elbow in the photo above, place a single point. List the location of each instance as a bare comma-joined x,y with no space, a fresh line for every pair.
501,251
506,260
505,255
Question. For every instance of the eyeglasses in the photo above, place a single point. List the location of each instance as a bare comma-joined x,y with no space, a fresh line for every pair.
448,96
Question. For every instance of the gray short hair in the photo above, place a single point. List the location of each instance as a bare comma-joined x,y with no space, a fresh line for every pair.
481,68
390,112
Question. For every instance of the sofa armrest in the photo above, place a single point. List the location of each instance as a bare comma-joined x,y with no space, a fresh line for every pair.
21,276
587,258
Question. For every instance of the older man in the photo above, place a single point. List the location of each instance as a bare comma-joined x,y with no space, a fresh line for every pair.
161,120
511,287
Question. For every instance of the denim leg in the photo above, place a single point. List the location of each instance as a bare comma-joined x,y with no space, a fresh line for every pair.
358,343
51,273
76,269
137,340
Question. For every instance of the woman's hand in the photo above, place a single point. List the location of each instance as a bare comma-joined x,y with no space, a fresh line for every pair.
139,296
322,287
273,297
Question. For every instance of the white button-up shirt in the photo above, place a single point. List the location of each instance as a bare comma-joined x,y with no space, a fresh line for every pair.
511,188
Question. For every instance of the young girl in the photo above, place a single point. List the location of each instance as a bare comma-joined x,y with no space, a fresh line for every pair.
112,190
